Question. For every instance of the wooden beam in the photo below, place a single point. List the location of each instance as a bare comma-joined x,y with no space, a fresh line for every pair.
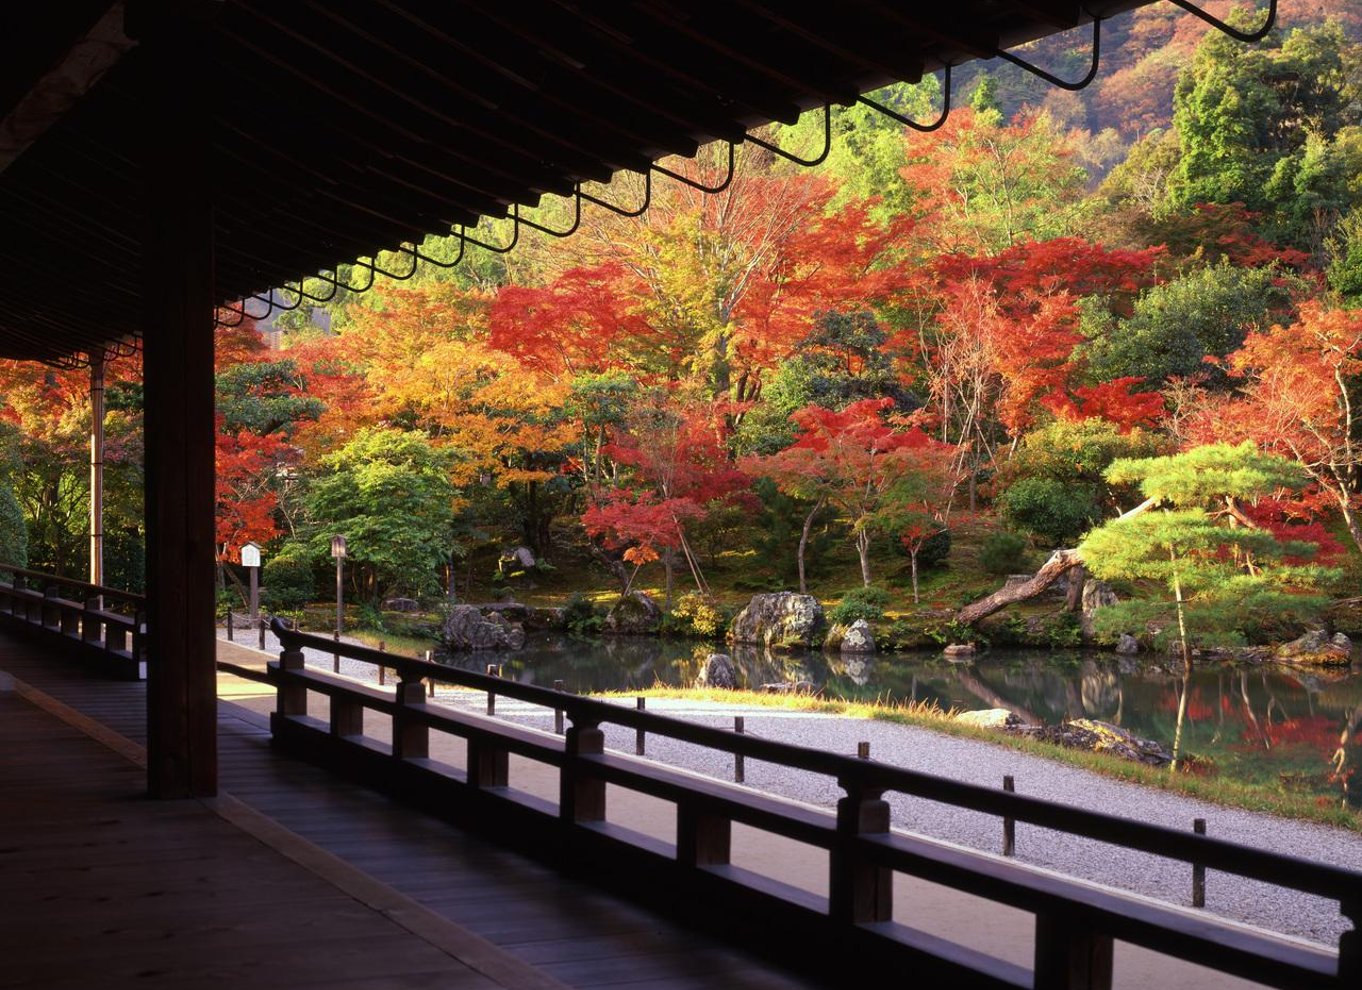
178,361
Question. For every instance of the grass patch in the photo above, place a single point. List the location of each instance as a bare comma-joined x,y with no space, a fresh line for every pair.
410,646
1250,796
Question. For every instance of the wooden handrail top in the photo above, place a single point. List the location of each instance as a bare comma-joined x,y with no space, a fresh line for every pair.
90,590
869,776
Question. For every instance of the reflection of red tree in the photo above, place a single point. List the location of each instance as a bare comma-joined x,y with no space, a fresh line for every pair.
1197,706
1319,731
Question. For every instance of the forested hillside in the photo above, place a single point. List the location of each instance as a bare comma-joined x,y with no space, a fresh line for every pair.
910,367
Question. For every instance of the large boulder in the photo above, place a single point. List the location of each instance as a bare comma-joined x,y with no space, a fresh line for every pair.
1103,737
467,629
1127,644
991,718
859,638
1317,647
635,614
718,672
779,621
1096,595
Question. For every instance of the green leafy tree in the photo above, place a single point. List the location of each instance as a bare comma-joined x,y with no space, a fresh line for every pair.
1261,126
1176,326
1220,572
389,493
1053,487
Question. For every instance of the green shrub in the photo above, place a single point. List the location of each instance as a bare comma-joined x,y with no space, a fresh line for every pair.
859,603
1064,631
1003,553
13,530
580,616
287,581
697,615
1057,512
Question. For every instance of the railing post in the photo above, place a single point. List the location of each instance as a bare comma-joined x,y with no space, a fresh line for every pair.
90,625
70,621
639,734
229,625
1009,823
1350,945
581,798
859,891
430,658
116,637
1070,953
739,763
51,613
493,670
558,712
261,624
1198,871
411,739
139,635
292,697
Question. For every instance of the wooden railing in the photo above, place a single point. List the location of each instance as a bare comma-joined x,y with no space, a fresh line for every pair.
1076,922
104,622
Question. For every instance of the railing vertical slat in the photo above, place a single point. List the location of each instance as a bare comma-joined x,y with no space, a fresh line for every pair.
859,891
411,739
1070,954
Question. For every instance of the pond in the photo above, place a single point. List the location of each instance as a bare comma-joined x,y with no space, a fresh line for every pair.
1272,725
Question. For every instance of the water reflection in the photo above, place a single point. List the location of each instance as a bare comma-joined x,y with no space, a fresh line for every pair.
1297,729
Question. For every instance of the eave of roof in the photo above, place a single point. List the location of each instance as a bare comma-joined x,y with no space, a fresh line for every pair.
345,129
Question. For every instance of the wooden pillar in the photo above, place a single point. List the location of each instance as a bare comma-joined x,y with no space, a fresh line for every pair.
97,467
178,296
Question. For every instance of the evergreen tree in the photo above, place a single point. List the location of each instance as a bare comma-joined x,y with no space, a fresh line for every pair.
1222,573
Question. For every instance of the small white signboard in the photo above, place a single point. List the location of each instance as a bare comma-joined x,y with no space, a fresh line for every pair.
250,555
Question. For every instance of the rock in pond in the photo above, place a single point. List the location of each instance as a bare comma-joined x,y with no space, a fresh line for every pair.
779,621
956,651
991,718
1317,647
636,614
857,638
466,628
1127,644
718,672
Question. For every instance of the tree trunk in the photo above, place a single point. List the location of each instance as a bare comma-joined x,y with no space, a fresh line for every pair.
1060,562
1074,601
804,542
1186,671
668,565
863,551
912,557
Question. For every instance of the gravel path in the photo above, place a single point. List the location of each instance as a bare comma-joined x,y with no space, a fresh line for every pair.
983,763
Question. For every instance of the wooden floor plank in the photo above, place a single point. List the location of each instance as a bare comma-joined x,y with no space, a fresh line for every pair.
560,927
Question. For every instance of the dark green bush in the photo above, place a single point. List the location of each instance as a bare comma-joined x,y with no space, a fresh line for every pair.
1003,553
580,616
287,582
1057,512
859,603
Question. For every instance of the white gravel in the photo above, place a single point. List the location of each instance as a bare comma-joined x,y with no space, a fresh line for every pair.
972,761
1285,911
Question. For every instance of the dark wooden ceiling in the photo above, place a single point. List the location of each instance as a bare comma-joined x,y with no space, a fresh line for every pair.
345,128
